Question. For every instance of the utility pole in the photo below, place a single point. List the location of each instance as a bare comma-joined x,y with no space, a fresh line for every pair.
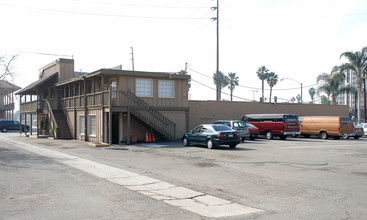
218,86
217,70
132,57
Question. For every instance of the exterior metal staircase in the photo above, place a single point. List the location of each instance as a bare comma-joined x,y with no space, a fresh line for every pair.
151,117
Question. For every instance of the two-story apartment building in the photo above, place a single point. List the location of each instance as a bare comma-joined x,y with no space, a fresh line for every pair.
7,100
107,105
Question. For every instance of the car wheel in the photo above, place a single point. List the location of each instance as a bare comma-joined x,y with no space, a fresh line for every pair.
185,142
323,135
252,138
232,145
243,139
269,135
356,137
4,130
283,137
209,144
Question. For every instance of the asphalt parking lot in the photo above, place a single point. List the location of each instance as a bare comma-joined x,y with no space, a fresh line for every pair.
297,178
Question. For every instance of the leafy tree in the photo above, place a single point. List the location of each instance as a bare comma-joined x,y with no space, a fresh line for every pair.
293,100
312,92
184,72
272,80
357,62
263,73
223,81
298,97
330,83
233,81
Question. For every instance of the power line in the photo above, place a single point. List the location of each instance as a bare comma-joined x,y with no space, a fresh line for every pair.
142,5
47,54
105,15
221,92
248,87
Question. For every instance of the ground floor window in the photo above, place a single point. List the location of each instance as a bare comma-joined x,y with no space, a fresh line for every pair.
81,124
92,125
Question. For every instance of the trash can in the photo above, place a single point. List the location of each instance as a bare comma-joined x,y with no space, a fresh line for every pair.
133,138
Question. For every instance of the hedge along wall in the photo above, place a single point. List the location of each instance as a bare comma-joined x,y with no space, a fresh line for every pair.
209,111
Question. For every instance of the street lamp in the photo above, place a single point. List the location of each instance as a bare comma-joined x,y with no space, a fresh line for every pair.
296,82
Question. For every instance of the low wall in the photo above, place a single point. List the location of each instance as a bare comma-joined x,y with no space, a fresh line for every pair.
209,111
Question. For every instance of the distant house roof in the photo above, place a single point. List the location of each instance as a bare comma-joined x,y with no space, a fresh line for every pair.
126,73
7,87
32,88
76,74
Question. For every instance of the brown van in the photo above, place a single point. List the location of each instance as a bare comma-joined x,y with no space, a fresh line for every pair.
326,126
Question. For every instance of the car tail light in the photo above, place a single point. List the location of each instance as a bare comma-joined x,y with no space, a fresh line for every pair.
238,135
221,136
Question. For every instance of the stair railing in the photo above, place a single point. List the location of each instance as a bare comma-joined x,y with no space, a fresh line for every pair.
54,127
148,114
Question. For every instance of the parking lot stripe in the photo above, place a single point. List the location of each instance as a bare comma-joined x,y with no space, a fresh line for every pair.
181,197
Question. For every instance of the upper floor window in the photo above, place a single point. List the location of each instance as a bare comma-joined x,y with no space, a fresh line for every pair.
114,89
166,89
144,87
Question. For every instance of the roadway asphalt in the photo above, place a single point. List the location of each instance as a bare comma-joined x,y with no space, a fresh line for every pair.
292,179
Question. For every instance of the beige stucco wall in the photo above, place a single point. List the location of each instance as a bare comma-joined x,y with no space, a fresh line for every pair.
208,111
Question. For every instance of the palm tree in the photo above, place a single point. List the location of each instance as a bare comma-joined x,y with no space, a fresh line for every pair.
232,82
357,62
298,97
330,83
223,81
272,80
351,89
312,92
325,100
262,72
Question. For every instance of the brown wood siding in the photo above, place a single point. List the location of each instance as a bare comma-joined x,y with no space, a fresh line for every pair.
66,70
137,129
92,138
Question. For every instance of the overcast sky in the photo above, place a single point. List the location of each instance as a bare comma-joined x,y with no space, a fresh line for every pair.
295,39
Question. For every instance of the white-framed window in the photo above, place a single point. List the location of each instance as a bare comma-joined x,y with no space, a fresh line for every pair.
92,125
81,124
166,88
144,87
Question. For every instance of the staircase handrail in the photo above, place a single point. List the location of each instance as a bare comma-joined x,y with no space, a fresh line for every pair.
53,119
139,104
149,108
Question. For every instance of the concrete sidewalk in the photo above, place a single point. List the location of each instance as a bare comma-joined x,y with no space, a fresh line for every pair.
178,196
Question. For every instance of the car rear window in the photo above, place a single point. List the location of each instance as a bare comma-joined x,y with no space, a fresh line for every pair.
239,124
221,128
290,119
